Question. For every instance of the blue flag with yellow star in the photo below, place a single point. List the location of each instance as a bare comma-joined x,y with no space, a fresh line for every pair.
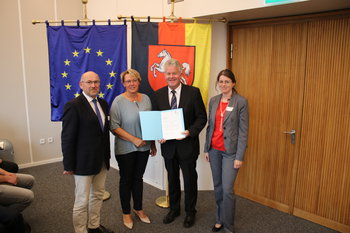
73,50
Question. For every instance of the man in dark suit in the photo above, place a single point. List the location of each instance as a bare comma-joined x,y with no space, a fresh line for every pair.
86,152
181,153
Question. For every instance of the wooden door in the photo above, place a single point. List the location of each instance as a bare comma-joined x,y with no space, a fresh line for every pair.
269,64
323,177
296,75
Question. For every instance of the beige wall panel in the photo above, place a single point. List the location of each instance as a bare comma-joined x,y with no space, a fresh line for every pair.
37,74
69,9
13,124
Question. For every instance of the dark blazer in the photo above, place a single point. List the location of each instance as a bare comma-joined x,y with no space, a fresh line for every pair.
85,146
195,118
235,125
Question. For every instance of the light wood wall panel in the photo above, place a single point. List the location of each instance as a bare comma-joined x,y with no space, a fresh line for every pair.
270,74
296,74
323,186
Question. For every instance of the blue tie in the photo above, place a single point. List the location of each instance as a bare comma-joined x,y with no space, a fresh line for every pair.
98,113
173,100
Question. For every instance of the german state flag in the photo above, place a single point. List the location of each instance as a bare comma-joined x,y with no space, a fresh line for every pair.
155,43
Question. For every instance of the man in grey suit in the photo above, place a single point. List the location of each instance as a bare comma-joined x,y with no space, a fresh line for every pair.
86,152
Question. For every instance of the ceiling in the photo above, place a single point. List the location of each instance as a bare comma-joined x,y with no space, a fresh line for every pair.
299,8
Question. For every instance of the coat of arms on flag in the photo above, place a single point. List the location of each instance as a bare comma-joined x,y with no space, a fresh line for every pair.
154,43
158,55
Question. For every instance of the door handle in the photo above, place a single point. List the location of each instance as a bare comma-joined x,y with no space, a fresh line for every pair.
292,134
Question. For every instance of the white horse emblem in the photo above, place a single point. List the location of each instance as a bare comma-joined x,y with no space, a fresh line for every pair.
160,67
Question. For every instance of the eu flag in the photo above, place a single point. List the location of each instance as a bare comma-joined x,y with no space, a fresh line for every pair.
73,50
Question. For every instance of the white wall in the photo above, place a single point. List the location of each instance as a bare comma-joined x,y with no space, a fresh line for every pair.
25,95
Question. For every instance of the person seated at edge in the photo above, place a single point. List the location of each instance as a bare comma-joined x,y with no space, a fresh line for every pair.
225,145
15,190
131,152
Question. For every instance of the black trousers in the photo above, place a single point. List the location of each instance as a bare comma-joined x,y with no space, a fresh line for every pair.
9,166
132,166
188,168
11,220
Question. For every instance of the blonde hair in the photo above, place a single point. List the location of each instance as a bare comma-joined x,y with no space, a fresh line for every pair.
132,72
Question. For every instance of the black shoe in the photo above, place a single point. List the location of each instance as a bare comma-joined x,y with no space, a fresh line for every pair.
171,216
100,229
216,229
27,228
189,220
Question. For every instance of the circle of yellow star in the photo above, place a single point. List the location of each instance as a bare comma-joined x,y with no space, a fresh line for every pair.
101,94
99,53
67,62
75,53
87,50
64,74
109,86
109,62
112,74
76,94
68,86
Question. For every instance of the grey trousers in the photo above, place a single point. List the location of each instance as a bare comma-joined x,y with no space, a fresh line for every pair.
224,176
17,196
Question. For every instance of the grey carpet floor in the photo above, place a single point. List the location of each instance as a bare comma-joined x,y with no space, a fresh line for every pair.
51,211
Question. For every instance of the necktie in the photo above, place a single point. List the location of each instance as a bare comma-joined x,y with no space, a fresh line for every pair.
98,113
173,100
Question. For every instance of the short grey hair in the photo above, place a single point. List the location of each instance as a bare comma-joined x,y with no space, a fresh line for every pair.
173,62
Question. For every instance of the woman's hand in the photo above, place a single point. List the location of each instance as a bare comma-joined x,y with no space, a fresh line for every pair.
237,164
206,156
153,150
138,142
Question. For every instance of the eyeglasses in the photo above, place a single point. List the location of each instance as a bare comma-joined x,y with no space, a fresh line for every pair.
92,82
131,81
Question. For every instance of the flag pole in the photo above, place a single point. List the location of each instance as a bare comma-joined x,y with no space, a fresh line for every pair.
163,201
121,18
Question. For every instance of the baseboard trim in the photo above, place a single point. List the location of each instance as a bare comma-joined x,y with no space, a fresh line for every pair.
34,164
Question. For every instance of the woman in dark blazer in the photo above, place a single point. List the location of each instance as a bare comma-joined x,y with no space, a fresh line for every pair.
226,141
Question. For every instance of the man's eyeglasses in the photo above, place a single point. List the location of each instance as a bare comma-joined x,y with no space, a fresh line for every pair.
92,82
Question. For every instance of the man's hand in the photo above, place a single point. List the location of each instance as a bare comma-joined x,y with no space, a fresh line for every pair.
68,173
186,133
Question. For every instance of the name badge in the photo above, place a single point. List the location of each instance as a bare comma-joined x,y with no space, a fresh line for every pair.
108,118
229,109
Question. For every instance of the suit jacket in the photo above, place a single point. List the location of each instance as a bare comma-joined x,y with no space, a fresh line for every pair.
85,145
195,118
235,125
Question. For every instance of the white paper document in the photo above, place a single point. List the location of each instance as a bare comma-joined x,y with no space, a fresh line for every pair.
167,124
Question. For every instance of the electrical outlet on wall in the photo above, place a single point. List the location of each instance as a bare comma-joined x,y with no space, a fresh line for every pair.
42,141
50,139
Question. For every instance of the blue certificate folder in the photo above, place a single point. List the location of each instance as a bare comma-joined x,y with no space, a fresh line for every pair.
167,124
